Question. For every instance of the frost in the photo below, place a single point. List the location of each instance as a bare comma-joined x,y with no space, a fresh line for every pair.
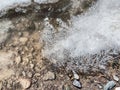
89,39
5,4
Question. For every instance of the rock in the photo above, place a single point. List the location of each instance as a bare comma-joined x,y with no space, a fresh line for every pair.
23,40
23,73
100,86
20,34
49,76
30,74
109,85
32,65
37,74
77,84
115,78
18,60
117,88
75,75
26,83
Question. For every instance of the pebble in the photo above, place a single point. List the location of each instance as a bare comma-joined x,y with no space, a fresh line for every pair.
37,75
30,74
18,60
49,76
109,85
23,73
32,65
100,86
75,75
20,34
115,78
25,83
23,40
77,84
117,88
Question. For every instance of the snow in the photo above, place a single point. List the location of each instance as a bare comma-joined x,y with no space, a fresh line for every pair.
46,1
5,4
90,33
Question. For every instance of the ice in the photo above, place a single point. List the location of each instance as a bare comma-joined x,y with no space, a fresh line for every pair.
6,4
90,33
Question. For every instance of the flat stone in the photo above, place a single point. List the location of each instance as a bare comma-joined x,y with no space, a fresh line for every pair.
25,83
109,85
23,40
115,78
49,76
75,75
30,74
77,84
18,60
100,86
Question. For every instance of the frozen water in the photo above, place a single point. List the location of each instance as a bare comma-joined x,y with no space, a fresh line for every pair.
91,33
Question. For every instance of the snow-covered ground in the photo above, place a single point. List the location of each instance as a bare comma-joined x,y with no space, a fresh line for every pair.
6,4
96,30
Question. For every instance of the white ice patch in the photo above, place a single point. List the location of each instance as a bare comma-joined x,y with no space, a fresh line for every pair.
90,33
6,4
46,1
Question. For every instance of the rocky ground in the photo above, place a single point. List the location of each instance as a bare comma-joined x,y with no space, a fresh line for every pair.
22,66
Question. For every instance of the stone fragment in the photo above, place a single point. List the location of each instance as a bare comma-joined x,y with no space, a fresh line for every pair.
75,75
49,76
109,85
25,83
115,78
18,60
77,84
23,40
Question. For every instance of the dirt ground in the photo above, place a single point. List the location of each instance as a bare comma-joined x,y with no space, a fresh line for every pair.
22,66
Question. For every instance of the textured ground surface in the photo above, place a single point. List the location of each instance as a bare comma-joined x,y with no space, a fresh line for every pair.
22,65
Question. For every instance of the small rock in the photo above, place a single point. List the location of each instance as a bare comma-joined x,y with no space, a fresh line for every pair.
25,83
77,84
30,74
23,40
109,85
37,74
49,76
100,86
32,65
20,34
75,75
115,78
23,73
117,88
18,60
